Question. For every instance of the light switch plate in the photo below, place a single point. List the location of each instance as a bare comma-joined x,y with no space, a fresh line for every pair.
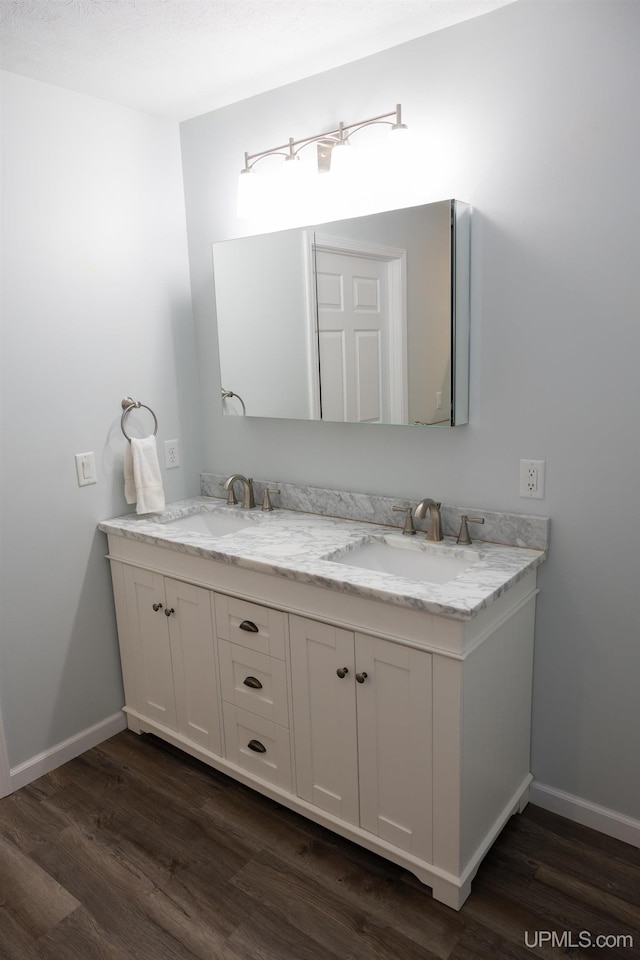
86,468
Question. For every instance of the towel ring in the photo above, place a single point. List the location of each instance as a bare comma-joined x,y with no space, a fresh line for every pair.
127,406
227,394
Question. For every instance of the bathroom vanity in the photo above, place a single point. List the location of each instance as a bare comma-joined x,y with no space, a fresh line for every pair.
394,711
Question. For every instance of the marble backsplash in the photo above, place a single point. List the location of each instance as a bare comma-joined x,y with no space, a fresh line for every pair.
512,529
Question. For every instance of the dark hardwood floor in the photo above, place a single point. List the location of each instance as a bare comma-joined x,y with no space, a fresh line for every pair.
134,851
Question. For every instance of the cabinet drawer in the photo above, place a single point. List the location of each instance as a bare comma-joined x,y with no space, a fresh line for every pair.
250,625
254,682
258,746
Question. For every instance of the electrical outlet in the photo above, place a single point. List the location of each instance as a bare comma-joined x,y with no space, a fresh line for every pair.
171,454
532,479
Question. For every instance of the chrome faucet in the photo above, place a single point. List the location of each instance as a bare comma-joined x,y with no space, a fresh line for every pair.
433,509
248,501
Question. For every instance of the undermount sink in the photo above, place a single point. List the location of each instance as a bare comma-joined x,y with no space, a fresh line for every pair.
210,523
414,561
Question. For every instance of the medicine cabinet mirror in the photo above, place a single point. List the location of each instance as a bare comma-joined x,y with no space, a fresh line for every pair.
363,320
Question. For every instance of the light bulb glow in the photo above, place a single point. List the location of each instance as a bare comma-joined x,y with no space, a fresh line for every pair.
342,157
249,191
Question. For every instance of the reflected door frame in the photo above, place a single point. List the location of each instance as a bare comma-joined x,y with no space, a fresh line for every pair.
396,259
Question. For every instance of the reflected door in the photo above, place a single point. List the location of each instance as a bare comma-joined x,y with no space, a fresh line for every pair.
353,335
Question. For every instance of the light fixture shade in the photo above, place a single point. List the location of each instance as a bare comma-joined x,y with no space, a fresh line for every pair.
342,159
293,173
399,132
394,150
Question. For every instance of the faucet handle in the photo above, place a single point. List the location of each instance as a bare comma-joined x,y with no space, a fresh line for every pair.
266,500
408,530
463,534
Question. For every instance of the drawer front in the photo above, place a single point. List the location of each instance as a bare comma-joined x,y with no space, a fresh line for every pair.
250,625
258,746
254,682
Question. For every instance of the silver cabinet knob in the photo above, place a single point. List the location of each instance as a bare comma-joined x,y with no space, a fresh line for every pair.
157,606
361,677
342,672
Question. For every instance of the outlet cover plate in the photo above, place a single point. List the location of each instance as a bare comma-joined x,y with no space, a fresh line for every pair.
171,454
532,479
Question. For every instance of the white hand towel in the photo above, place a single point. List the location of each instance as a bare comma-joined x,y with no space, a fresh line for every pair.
142,479
129,482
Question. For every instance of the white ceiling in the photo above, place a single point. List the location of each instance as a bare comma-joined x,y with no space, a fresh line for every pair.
181,58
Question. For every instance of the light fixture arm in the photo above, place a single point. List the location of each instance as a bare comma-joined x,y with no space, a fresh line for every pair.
329,139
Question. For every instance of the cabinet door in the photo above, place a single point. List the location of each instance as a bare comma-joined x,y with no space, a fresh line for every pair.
149,639
394,705
324,717
194,663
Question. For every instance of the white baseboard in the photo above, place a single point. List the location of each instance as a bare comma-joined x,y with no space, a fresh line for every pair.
43,763
589,814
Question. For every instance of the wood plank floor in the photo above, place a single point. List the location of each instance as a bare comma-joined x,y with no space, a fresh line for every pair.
134,851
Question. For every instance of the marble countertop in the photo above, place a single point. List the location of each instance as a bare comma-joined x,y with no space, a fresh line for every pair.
300,546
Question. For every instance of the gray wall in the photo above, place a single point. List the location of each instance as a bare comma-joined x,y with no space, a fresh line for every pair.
530,114
96,306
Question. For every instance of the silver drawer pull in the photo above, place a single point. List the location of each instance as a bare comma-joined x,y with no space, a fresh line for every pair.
248,626
256,746
252,682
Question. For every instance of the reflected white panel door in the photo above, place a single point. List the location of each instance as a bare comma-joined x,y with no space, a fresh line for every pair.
353,333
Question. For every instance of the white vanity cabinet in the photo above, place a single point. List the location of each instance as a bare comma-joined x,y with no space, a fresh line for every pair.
362,722
402,730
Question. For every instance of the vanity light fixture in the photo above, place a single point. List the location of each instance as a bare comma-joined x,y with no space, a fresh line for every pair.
331,146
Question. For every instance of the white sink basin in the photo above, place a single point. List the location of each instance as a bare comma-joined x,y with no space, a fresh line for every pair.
415,561
210,523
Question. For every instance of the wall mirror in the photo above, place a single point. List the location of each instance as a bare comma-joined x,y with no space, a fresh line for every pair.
363,320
